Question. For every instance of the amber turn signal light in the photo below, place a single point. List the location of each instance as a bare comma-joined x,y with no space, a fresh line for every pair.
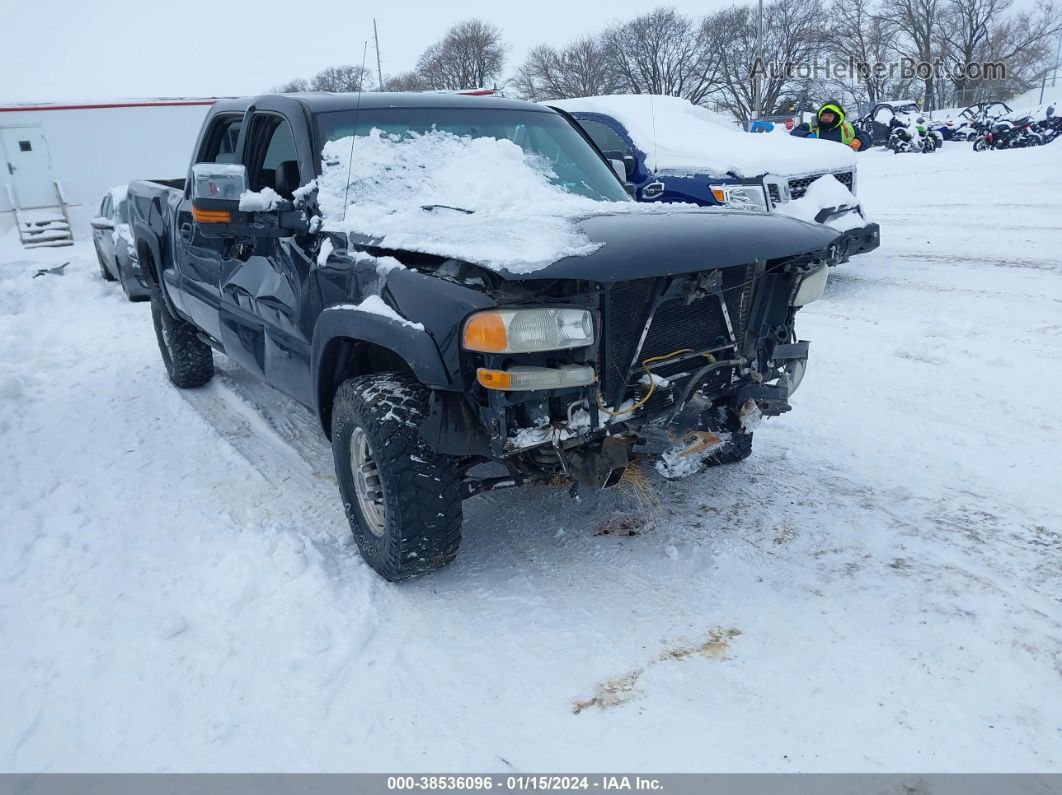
485,331
211,216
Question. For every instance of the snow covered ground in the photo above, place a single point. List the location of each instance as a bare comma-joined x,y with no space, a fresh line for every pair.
877,588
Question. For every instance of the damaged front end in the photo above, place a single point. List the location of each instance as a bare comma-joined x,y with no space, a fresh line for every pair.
580,379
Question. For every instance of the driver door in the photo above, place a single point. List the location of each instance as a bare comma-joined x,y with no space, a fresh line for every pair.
200,255
263,284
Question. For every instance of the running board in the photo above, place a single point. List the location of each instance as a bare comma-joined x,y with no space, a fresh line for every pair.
202,336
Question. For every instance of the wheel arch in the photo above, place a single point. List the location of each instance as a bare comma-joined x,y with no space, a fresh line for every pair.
349,343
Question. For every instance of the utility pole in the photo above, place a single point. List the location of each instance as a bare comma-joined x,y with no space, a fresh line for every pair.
757,109
1058,52
379,69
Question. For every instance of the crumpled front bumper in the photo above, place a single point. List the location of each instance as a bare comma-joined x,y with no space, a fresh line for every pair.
857,240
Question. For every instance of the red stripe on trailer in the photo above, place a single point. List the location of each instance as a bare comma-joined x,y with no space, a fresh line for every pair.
103,106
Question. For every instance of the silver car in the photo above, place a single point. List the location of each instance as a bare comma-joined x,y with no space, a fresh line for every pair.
114,245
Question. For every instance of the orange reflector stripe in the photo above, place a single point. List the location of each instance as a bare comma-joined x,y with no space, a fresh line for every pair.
494,379
211,216
720,196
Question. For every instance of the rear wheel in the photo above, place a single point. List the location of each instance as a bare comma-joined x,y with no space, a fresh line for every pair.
402,499
189,361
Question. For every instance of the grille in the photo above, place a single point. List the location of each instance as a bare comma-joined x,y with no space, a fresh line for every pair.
798,187
676,325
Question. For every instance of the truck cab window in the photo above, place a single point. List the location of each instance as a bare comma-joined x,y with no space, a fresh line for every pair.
274,163
220,146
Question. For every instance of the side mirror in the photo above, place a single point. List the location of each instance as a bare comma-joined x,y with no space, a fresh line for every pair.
99,222
215,191
627,159
620,168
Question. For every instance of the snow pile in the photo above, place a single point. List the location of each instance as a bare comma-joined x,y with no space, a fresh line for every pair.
679,137
259,201
478,199
825,192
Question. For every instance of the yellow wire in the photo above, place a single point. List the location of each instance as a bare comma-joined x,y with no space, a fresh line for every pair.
652,382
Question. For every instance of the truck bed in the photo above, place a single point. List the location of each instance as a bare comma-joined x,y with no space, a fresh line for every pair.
153,205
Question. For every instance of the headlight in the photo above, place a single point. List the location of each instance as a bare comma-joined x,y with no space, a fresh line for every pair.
811,286
528,330
742,197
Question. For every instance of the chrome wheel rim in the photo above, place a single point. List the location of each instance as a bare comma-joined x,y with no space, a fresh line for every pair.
367,485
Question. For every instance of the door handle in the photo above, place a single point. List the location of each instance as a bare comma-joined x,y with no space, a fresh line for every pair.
186,230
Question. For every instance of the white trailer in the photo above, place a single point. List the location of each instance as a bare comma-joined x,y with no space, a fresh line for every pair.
60,159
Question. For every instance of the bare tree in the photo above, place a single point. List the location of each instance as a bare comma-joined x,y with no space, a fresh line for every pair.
339,79
915,29
855,32
292,87
406,81
580,69
979,31
470,55
664,52
792,33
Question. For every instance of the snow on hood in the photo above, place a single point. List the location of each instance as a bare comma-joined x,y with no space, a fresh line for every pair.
690,139
482,200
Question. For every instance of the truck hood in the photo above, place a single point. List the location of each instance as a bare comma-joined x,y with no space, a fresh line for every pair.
683,241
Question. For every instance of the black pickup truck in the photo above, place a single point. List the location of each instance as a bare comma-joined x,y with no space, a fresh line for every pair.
665,344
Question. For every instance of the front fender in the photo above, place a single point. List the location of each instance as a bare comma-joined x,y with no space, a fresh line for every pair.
340,324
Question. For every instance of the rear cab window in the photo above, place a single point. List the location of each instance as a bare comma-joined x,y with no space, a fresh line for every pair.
219,145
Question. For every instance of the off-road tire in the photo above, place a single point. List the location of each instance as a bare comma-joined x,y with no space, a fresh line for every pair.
421,489
106,274
189,361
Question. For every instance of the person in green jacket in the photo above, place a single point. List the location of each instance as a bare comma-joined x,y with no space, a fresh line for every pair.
830,125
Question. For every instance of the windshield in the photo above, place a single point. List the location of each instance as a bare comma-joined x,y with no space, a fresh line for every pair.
576,166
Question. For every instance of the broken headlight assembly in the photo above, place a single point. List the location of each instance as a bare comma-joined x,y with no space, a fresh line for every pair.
810,285
741,197
528,330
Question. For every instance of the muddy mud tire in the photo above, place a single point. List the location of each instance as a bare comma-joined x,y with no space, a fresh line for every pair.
189,361
403,500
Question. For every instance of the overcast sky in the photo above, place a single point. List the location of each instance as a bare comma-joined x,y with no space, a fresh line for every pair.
110,49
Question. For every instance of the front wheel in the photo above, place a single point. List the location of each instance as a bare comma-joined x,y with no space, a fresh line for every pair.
980,144
402,499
